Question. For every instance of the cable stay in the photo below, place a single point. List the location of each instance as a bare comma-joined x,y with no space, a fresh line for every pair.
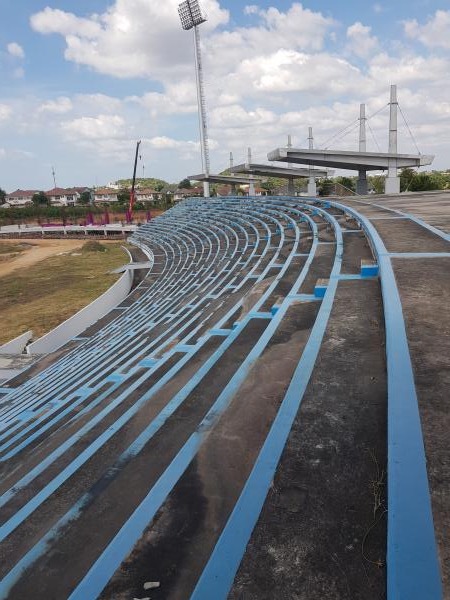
409,130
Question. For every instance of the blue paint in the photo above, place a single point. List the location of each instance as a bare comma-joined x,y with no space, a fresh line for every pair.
424,224
54,484
102,570
218,575
115,377
319,291
419,254
100,573
148,362
220,332
369,270
303,297
185,348
412,560
172,374
350,276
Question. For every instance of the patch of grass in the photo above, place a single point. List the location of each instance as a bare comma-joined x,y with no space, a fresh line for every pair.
40,297
93,246
13,247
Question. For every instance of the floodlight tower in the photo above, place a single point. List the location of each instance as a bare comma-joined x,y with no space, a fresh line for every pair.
191,17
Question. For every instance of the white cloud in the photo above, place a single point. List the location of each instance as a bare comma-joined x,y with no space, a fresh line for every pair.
291,71
166,143
61,105
14,49
435,33
5,112
378,8
410,69
236,116
360,41
251,9
53,20
101,127
119,43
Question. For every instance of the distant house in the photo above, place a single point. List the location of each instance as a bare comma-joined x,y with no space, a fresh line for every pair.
223,190
64,196
20,197
181,194
103,195
147,195
259,191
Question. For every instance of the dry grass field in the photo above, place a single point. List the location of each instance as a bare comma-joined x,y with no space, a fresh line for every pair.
41,285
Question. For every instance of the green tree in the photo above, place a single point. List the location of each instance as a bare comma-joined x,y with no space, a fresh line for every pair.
185,184
2,196
377,183
123,196
40,199
325,186
85,198
411,181
423,182
347,182
407,176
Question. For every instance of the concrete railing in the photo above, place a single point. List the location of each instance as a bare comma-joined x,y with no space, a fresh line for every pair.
145,249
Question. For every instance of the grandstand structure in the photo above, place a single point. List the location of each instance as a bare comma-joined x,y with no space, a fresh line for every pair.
230,429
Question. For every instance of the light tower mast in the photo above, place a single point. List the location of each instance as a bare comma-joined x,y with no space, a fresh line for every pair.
191,17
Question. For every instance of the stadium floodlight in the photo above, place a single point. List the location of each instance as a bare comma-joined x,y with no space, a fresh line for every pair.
191,16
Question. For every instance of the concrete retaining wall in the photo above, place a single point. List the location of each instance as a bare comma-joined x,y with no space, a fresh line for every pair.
17,345
83,319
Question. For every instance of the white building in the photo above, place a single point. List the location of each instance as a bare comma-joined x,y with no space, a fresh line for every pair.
20,197
105,195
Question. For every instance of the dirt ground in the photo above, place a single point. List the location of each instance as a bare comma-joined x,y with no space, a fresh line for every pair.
35,251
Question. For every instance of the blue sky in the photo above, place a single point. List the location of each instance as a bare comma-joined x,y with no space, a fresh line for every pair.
81,81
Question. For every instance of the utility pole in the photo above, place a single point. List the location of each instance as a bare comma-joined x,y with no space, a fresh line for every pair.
54,177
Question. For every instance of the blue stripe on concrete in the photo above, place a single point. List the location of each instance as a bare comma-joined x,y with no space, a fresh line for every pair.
419,254
412,561
218,575
105,566
94,582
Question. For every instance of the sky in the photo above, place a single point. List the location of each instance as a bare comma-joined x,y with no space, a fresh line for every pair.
83,80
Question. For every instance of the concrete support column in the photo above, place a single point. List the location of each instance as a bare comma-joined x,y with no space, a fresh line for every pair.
362,128
291,187
251,187
361,184
393,180
312,187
